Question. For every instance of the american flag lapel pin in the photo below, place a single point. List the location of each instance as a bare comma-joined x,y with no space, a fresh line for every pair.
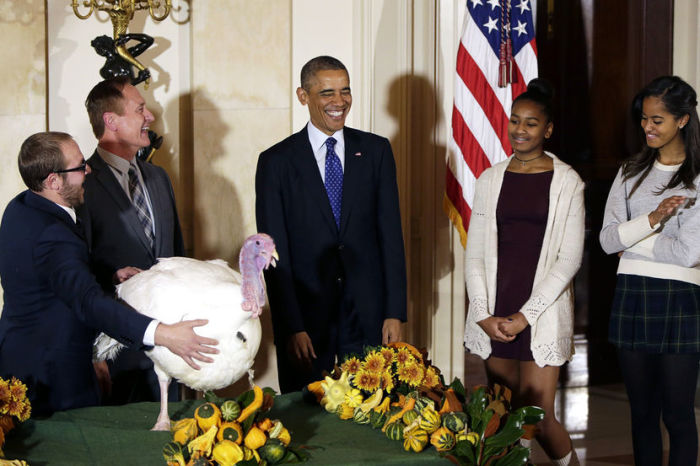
358,154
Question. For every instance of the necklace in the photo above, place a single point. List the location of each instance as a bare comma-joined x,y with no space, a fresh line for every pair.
523,161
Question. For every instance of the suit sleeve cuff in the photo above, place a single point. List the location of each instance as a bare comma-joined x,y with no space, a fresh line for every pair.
635,230
149,336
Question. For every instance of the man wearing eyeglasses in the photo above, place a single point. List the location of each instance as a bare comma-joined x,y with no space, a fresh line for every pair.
53,307
129,216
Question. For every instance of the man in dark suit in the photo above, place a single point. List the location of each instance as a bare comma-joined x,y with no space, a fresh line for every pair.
129,216
53,307
328,197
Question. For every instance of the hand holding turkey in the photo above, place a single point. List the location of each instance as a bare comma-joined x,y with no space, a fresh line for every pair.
181,339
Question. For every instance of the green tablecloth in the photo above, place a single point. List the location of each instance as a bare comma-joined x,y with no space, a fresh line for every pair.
120,436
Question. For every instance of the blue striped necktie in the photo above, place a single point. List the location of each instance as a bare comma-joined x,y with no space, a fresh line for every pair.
334,179
138,198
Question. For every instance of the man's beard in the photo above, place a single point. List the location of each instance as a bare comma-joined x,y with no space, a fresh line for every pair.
72,194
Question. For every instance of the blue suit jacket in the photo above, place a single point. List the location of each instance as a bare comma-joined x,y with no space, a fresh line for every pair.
362,263
53,307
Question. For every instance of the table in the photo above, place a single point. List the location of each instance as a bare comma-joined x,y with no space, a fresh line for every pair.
109,435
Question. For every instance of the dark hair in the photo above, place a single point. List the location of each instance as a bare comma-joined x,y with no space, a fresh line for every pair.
324,62
540,92
106,96
41,155
679,99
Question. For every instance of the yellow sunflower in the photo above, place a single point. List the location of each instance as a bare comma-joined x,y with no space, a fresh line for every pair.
26,412
15,408
431,378
374,362
403,357
368,381
387,381
17,389
389,355
412,374
351,365
4,390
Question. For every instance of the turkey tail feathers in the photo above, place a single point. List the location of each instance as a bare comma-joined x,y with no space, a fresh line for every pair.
105,347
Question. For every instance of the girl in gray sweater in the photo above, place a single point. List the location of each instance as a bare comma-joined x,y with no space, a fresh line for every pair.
652,220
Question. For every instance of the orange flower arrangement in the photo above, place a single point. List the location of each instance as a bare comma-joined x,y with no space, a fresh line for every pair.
13,405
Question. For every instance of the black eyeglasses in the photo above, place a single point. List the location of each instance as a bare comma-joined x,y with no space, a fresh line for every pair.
80,168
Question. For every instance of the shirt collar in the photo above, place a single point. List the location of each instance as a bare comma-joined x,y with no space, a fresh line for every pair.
318,137
70,210
118,163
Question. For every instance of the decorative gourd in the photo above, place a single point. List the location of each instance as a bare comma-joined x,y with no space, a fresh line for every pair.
230,431
345,412
316,389
265,424
424,402
227,453
280,432
451,404
430,420
202,445
473,438
377,419
407,407
373,401
199,461
360,417
250,454
409,416
207,415
334,392
184,430
230,410
353,398
415,439
253,406
443,439
454,421
384,406
172,452
273,451
255,438
394,431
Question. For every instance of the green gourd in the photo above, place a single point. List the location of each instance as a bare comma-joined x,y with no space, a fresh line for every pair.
394,431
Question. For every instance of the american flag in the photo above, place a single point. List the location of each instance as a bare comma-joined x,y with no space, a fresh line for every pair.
496,59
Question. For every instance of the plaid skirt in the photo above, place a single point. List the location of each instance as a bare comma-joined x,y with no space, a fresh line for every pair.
655,315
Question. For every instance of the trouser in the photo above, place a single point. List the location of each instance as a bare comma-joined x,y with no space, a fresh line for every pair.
344,336
661,385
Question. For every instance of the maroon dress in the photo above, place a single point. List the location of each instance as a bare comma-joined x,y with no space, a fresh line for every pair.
521,217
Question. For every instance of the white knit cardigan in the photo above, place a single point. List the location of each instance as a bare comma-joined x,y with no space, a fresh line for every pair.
549,310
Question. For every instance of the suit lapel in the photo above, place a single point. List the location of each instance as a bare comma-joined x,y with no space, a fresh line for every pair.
353,166
104,176
305,163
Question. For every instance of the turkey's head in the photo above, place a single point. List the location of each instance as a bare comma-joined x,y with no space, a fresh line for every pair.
257,254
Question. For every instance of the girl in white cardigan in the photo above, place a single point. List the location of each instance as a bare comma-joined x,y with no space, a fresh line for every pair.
524,246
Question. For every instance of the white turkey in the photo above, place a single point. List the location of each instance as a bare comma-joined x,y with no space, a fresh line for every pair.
179,288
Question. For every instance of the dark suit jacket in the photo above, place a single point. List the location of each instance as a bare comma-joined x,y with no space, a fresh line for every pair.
361,264
112,229
53,307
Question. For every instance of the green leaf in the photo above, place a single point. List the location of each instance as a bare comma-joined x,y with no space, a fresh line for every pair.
465,450
211,397
458,387
530,414
250,462
508,434
516,457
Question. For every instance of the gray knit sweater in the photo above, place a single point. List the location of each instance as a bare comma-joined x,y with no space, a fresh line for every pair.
671,250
